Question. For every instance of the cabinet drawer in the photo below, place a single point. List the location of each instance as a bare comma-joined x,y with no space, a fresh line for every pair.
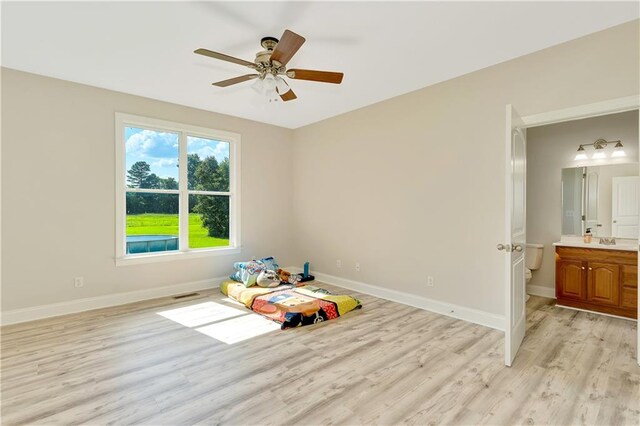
629,276
629,297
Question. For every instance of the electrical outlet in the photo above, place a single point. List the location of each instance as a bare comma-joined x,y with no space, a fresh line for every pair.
78,282
357,267
430,281
338,263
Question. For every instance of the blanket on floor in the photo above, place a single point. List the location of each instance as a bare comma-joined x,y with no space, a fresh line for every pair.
291,306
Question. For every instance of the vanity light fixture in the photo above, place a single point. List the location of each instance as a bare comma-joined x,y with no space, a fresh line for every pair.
581,155
618,151
599,154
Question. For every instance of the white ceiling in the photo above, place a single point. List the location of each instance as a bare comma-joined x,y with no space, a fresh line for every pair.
384,48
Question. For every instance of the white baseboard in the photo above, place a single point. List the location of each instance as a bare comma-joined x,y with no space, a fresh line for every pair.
80,305
460,312
538,290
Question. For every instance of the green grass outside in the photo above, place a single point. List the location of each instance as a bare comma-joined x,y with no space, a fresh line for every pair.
167,224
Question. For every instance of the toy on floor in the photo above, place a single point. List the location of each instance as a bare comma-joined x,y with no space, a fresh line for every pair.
305,276
287,277
268,279
247,272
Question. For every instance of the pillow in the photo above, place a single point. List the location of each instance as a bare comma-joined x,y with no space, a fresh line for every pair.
247,272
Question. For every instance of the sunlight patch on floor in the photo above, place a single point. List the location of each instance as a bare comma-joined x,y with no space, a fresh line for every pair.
238,329
201,313
224,323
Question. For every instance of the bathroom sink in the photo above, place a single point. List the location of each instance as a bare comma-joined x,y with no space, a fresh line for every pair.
626,246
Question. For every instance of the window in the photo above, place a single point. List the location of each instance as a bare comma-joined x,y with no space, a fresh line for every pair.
165,211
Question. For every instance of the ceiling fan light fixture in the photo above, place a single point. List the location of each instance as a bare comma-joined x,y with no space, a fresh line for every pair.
270,64
269,83
258,86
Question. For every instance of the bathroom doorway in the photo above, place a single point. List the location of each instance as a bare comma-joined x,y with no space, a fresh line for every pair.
571,219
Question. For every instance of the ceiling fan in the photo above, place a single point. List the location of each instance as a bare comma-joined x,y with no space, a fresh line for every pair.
270,67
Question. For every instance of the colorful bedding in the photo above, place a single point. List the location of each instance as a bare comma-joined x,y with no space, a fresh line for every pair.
291,306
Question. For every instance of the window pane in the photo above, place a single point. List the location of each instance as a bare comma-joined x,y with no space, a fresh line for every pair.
208,221
208,164
151,158
152,222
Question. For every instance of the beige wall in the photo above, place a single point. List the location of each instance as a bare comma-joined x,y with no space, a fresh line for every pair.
58,192
552,148
409,187
414,186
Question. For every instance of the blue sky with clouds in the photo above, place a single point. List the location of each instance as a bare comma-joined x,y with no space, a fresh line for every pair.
160,150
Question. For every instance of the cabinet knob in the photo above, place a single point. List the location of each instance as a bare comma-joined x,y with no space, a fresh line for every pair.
583,267
590,268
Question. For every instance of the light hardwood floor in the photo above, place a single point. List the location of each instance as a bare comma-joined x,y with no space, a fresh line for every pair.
385,364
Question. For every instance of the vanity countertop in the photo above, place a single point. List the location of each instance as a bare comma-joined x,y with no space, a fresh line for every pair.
625,245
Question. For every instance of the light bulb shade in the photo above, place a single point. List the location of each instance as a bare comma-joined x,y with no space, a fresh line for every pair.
269,83
282,85
581,156
258,86
599,155
618,151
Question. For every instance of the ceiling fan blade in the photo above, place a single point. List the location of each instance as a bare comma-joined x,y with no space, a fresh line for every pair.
288,96
313,75
224,57
288,45
235,80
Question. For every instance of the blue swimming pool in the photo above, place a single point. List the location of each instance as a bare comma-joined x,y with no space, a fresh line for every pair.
151,243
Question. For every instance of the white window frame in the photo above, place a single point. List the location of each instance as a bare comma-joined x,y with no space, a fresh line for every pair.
183,130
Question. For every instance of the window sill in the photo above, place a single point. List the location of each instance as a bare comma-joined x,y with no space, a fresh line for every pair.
138,259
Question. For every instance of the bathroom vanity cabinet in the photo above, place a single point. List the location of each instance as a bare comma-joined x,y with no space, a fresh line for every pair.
601,280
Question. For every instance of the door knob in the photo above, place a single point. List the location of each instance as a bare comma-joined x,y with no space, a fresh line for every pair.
517,248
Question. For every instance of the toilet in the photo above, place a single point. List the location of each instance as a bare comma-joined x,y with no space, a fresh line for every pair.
532,259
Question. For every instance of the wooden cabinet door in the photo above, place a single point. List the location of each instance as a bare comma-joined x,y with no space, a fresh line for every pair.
570,279
603,283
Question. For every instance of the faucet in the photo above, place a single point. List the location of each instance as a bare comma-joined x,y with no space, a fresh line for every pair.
608,241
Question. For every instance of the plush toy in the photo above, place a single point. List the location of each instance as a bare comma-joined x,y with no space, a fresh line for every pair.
268,279
288,277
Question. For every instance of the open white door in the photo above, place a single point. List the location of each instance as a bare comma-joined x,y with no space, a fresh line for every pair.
515,310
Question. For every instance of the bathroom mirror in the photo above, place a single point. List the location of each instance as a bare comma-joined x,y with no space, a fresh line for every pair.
603,198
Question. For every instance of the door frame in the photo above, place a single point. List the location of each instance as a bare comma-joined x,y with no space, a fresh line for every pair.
612,106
